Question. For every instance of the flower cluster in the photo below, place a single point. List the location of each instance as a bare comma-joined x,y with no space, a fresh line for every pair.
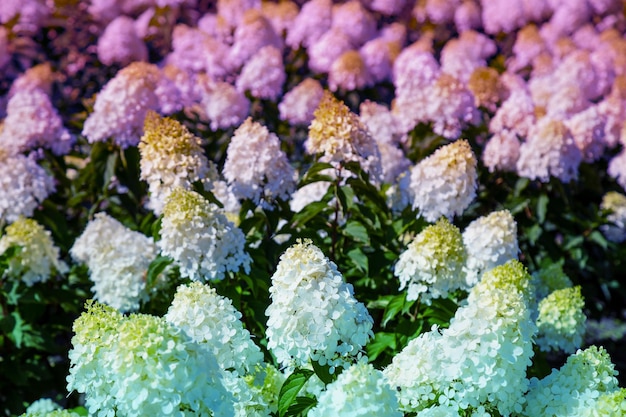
211,321
200,239
444,183
171,157
561,321
122,105
118,260
256,168
490,241
575,388
144,366
432,266
313,315
38,258
24,185
339,136
359,391
480,361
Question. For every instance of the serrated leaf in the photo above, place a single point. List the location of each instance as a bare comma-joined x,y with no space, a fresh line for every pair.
290,389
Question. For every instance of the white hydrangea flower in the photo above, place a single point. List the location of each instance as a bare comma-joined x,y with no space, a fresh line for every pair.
444,183
490,241
561,321
211,321
94,335
432,266
615,204
118,259
52,413
121,106
43,406
23,186
263,75
298,104
256,395
44,128
171,157
314,315
480,361
360,390
608,404
147,367
256,168
575,388
339,136
39,257
549,279
201,240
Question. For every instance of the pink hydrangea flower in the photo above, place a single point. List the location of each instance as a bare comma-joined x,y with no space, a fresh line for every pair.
119,44
299,104
253,33
354,21
264,74
314,19
44,128
549,151
349,72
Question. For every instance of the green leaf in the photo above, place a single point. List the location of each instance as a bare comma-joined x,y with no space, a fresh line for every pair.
157,266
323,372
301,406
359,258
290,389
598,238
309,212
357,231
395,306
542,208
379,344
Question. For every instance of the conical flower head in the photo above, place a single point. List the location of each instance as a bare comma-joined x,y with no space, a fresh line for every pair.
444,184
339,136
201,240
314,315
561,321
39,257
118,259
256,167
481,359
490,241
575,388
171,156
212,321
359,391
432,266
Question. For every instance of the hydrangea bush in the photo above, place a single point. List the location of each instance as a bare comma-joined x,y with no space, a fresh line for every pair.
312,208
